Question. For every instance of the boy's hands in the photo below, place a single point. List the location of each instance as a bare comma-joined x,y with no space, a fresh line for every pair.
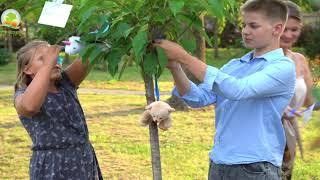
176,53
173,50
173,65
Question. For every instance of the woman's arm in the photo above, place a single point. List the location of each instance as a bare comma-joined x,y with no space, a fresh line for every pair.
307,78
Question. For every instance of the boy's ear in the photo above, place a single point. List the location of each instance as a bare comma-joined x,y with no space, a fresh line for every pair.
278,29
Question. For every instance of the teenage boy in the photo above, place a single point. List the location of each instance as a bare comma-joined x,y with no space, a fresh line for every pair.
250,94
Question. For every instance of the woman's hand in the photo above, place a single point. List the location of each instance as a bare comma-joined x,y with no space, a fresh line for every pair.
290,113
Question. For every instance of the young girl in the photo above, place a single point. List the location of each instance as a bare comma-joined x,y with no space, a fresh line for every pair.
303,87
48,107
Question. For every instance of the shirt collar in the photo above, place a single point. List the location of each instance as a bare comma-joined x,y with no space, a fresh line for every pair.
269,56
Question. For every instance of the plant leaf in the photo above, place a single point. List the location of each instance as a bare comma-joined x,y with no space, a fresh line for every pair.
122,29
162,58
150,64
113,58
95,54
216,8
86,52
139,43
176,6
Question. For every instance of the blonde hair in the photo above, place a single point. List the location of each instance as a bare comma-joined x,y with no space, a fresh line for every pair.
293,10
273,9
24,56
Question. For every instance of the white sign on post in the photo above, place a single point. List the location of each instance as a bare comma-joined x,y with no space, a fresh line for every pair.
55,13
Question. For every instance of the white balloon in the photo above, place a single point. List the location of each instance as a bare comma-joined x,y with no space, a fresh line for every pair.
74,47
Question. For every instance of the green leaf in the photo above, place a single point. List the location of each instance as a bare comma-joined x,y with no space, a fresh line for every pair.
113,58
316,93
95,54
83,2
138,5
85,18
126,60
20,4
199,27
206,37
88,4
159,17
150,64
87,51
122,29
176,6
128,31
88,13
162,59
189,45
104,29
139,43
119,18
88,37
34,10
185,19
216,8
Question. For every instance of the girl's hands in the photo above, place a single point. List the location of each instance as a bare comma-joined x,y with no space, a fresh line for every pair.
52,53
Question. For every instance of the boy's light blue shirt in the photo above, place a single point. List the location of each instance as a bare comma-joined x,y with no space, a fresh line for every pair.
250,95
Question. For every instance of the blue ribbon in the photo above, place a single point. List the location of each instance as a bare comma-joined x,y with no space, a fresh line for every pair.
156,89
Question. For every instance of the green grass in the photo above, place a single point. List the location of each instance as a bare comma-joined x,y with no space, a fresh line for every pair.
8,74
122,146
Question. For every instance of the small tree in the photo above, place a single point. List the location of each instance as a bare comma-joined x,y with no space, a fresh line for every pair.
134,25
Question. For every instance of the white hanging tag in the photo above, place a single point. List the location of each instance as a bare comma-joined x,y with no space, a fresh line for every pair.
55,14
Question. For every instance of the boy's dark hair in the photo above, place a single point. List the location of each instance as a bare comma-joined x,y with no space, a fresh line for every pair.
273,9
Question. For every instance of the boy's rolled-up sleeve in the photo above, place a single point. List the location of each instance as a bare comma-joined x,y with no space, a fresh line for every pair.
201,95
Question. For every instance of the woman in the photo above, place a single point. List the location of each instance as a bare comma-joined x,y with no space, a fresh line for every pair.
303,89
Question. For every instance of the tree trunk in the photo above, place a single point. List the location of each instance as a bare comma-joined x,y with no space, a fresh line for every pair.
10,47
130,61
153,131
200,51
104,66
216,38
6,41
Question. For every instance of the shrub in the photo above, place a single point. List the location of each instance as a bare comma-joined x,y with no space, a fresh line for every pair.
309,40
5,56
